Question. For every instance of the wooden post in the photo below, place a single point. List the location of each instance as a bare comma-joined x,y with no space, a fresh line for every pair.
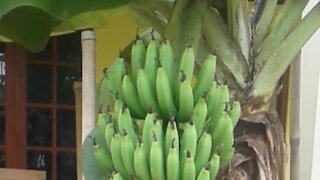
88,82
77,89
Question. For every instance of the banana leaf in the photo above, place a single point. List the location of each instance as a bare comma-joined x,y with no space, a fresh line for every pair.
31,22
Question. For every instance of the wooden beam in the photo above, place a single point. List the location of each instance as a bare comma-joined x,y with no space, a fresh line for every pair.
18,174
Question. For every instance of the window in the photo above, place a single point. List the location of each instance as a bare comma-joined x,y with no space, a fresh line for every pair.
37,115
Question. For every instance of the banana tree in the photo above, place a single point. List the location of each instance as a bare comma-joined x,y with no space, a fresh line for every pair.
255,43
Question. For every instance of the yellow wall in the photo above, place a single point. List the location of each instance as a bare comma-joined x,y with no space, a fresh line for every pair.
113,36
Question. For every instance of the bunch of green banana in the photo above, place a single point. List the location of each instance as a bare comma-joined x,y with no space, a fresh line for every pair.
165,123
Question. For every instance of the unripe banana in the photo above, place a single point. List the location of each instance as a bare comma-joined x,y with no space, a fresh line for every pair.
130,97
220,101
171,133
173,162
189,139
186,68
203,151
226,154
157,129
141,162
222,132
164,94
127,153
166,58
104,96
118,106
109,132
205,78
146,94
199,115
212,97
215,165
157,160
188,168
138,53
205,172
103,119
147,131
185,99
117,176
118,70
235,112
102,156
187,62
151,62
125,123
116,155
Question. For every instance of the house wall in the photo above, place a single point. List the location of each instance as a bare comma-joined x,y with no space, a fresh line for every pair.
113,36
309,90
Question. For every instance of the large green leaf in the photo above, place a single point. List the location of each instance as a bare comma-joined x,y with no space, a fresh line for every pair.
31,22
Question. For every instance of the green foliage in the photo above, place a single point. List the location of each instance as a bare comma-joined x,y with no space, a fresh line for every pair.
31,22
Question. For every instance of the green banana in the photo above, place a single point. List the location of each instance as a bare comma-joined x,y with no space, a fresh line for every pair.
147,96
109,83
235,112
215,165
151,62
173,163
141,162
186,69
222,132
189,139
226,154
171,133
104,96
127,153
117,108
147,130
156,160
130,97
199,115
157,129
187,62
220,101
117,71
188,168
109,132
115,149
138,53
125,123
203,151
166,58
212,97
204,173
103,119
185,99
117,176
164,94
102,156
205,78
